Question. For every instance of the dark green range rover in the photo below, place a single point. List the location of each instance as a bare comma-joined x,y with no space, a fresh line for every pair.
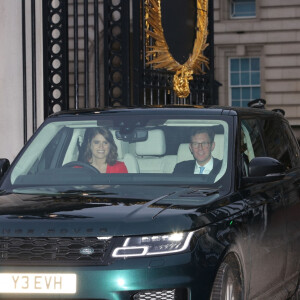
153,203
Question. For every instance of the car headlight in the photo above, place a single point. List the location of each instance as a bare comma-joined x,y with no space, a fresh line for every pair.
154,245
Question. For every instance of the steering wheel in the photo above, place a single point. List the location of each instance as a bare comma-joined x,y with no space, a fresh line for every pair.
80,165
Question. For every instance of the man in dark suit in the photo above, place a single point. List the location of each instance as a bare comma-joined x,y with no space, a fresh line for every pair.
201,145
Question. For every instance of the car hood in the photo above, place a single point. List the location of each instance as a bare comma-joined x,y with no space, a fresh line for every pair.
110,211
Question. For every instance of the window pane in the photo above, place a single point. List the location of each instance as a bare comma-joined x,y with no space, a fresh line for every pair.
276,142
255,64
294,150
255,93
243,8
245,80
246,9
245,64
255,78
235,65
255,146
235,79
236,94
246,93
236,103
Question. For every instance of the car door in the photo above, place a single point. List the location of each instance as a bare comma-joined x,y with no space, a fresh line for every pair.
288,154
267,225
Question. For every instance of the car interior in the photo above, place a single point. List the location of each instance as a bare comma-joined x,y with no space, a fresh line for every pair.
157,149
148,156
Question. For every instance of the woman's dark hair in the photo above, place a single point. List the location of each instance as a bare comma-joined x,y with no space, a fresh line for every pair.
113,153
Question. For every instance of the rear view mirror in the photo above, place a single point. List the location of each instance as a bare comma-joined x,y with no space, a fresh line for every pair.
264,169
136,135
4,165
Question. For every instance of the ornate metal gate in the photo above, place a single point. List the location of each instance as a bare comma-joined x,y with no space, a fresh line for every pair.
94,56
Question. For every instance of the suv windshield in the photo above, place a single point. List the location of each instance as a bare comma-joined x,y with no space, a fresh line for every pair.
115,148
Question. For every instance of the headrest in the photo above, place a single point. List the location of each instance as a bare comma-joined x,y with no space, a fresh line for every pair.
123,147
154,145
219,146
184,153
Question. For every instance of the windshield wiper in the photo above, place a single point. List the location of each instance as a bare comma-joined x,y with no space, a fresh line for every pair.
199,192
86,193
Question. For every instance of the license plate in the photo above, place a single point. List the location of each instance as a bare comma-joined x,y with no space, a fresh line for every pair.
37,283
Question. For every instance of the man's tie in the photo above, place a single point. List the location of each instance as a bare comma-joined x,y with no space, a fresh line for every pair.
201,170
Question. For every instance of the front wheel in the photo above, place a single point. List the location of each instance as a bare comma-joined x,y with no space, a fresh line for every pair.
228,284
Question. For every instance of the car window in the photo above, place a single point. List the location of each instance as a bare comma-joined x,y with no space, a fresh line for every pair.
252,138
293,145
251,143
135,148
276,140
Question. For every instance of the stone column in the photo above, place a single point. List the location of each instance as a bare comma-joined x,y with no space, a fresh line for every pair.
11,75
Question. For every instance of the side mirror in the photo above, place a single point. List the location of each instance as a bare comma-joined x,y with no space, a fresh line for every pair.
264,169
4,165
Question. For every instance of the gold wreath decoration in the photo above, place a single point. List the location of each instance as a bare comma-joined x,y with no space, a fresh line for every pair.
159,56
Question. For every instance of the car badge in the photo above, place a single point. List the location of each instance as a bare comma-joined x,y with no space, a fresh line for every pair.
86,251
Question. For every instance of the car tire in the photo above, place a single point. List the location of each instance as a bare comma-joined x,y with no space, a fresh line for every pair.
228,284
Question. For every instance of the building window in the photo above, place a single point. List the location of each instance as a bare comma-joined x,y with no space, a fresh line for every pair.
243,8
244,80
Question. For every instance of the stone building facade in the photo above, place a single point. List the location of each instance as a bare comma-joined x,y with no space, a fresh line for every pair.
257,52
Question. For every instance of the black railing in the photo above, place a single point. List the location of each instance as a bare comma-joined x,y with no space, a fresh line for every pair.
117,62
86,54
76,72
97,56
96,50
81,53
55,56
31,43
155,86
33,62
24,72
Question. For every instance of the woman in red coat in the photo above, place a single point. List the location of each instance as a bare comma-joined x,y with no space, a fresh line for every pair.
102,152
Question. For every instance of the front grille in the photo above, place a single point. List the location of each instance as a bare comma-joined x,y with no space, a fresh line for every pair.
50,251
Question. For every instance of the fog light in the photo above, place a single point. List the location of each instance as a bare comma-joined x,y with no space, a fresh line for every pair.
157,295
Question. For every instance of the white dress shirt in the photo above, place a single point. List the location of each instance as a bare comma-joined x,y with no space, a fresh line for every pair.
207,167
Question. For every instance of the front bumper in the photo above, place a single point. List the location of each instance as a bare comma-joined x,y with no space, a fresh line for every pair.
170,277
